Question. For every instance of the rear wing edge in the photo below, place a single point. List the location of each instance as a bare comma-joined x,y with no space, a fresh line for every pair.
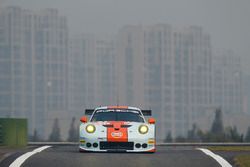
89,111
146,112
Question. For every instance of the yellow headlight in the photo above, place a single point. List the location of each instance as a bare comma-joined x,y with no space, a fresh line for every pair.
143,129
90,128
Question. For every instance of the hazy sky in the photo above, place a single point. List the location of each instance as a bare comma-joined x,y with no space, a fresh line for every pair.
228,21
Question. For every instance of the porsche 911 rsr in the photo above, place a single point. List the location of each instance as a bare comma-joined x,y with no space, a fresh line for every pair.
117,128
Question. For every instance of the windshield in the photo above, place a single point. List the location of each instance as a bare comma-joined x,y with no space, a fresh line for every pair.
117,115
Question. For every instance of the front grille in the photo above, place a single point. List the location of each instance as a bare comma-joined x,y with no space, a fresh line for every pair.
116,145
125,126
122,126
108,126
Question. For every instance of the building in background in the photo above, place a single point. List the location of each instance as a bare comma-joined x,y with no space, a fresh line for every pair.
106,71
34,74
45,75
92,72
246,93
171,70
227,92
16,63
130,66
82,74
51,73
227,82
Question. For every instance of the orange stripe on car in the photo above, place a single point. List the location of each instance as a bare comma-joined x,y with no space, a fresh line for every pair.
152,151
117,133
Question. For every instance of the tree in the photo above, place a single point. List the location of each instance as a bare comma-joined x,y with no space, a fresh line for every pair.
217,126
247,138
35,136
169,138
180,139
73,133
203,136
236,137
232,135
55,135
192,135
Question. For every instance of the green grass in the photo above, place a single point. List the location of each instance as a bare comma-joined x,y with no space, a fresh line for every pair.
242,160
229,148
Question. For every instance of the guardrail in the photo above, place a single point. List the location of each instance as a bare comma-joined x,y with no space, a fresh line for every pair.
1,134
158,144
203,144
52,143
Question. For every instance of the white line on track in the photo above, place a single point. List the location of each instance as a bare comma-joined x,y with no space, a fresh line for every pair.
20,160
218,158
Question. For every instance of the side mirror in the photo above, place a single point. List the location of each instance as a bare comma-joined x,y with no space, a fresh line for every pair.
151,121
84,119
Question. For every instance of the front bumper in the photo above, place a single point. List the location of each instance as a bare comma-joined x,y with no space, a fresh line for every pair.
147,145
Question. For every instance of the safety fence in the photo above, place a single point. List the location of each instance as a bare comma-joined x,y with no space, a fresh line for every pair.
158,144
1,134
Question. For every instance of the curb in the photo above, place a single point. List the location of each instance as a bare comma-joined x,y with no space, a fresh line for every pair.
5,155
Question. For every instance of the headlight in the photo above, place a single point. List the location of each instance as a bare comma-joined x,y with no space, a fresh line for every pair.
90,128
143,129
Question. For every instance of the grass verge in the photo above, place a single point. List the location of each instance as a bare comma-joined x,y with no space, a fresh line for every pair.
229,148
242,160
239,160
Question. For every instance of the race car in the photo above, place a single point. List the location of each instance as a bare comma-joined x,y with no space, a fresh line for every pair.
117,129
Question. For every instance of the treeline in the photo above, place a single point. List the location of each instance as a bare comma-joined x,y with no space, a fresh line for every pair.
217,133
55,135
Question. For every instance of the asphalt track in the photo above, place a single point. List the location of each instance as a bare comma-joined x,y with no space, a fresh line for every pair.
166,156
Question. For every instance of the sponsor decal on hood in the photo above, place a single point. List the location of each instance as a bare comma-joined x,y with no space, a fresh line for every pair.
117,132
